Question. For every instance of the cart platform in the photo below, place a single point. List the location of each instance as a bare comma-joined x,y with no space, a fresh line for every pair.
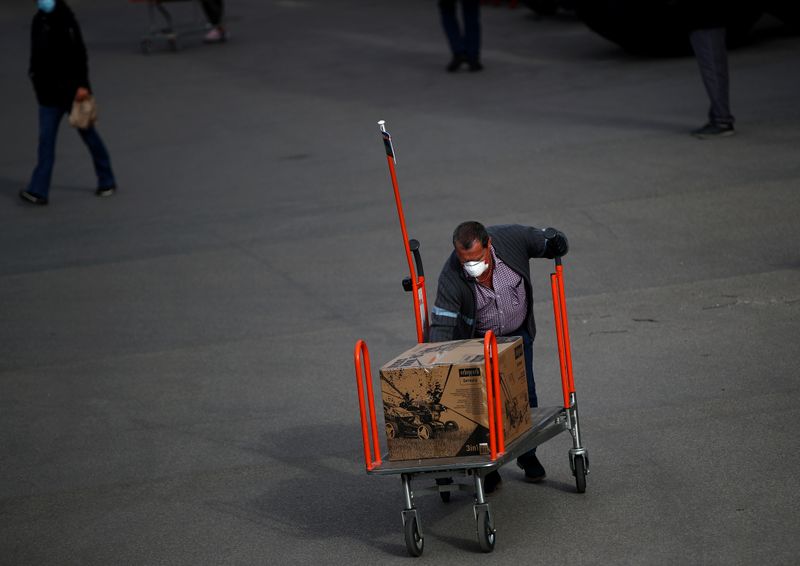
547,422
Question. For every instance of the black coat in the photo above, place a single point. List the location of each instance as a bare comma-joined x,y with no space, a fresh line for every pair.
58,65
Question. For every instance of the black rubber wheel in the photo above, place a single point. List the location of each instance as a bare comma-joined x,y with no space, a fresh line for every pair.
580,474
450,426
415,544
445,495
486,531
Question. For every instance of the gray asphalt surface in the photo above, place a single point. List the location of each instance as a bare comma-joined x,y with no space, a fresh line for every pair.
176,372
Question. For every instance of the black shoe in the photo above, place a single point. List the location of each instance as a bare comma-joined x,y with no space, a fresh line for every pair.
712,130
32,198
534,471
455,63
492,481
105,191
475,65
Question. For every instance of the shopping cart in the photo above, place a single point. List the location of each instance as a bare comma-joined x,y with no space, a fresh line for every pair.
162,26
467,473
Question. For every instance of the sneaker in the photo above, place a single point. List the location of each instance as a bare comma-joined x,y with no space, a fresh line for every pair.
455,63
215,35
534,471
475,65
32,198
491,482
712,130
105,191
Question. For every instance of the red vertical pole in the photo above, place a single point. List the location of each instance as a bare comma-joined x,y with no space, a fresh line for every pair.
557,315
488,342
419,298
363,402
565,326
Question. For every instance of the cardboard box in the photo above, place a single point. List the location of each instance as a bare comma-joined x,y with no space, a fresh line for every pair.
434,398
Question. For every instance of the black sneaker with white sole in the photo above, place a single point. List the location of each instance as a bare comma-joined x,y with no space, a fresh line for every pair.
105,191
32,198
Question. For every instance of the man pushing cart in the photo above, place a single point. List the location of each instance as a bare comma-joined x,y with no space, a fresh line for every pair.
484,290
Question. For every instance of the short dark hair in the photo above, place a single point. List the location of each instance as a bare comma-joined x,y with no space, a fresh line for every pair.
469,232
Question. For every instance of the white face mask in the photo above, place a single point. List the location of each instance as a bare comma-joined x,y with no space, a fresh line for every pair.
475,268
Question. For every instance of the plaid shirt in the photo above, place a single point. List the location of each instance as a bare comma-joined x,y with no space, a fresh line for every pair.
503,308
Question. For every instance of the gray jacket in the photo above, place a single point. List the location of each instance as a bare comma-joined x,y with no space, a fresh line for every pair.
453,315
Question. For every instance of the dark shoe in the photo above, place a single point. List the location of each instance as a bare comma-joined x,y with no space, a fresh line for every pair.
534,471
475,65
491,482
105,191
712,130
455,63
32,198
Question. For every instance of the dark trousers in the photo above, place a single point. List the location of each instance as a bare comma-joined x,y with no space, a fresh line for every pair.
468,43
214,10
712,58
49,120
533,401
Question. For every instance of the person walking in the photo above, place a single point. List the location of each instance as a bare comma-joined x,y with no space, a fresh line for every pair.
485,285
707,35
214,10
466,46
60,75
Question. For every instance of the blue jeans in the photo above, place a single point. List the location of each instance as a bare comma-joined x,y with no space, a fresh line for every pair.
712,58
49,120
469,44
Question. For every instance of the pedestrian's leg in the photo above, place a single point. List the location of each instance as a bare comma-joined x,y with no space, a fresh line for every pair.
213,10
712,58
534,472
49,120
447,11
472,30
100,158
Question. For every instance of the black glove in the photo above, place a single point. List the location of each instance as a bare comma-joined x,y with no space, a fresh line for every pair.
556,244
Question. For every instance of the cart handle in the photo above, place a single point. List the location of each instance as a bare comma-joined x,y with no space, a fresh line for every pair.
417,278
497,442
562,333
361,377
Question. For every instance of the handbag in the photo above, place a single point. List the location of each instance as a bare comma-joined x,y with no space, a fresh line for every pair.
84,113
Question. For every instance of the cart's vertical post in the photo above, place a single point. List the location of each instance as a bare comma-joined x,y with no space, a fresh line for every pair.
562,363
493,401
417,280
361,356
565,324
488,340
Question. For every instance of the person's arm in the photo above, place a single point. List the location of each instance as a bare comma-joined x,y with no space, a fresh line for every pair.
446,311
547,242
80,61
556,243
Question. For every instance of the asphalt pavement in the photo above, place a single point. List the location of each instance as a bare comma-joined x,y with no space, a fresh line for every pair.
176,361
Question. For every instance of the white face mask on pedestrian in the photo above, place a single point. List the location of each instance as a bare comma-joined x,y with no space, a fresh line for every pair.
476,268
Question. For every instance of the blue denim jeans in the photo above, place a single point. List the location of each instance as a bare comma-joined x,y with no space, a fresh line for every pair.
49,121
469,44
712,58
